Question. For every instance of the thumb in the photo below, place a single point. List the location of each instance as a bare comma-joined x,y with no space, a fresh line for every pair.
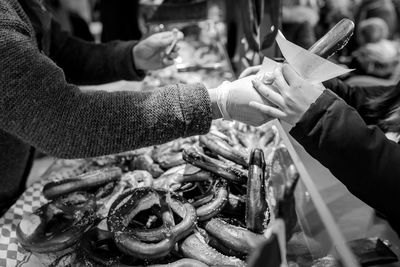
223,85
290,75
163,39
249,71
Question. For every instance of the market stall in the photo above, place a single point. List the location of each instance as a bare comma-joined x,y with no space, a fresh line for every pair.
219,199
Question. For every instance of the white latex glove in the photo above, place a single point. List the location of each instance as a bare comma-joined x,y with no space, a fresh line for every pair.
150,53
233,100
250,71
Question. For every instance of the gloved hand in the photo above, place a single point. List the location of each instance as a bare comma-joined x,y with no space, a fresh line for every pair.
150,53
250,71
233,100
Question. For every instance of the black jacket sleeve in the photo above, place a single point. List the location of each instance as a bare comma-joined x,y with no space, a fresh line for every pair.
356,96
360,156
89,63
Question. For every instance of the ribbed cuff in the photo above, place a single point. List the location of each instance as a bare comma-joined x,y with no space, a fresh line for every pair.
127,68
196,109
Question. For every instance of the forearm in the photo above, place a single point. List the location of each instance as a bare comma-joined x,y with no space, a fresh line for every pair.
39,107
79,125
89,63
358,155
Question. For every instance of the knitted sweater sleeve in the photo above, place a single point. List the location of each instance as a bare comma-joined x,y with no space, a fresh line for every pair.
38,106
89,63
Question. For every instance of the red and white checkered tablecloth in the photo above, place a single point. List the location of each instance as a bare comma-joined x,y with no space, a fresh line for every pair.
11,253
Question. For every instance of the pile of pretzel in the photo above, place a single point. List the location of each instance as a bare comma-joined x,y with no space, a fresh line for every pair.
199,201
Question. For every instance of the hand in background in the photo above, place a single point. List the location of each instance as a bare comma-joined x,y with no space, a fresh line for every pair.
149,54
291,99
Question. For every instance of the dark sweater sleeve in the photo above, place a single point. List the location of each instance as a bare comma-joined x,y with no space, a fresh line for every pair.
355,96
358,155
89,63
39,107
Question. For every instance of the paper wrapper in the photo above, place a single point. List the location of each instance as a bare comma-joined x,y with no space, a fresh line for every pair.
308,65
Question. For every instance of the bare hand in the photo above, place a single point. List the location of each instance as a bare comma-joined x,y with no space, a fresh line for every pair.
292,98
149,54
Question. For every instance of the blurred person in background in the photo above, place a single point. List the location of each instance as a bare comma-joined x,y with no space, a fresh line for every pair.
377,55
298,22
383,9
70,20
120,20
366,9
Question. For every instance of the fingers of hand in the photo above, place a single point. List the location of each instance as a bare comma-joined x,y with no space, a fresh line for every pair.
280,82
267,110
268,78
166,61
267,92
290,75
178,34
164,39
176,49
245,82
249,71
172,49
172,56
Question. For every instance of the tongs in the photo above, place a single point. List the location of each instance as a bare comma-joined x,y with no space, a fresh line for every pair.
186,67
172,46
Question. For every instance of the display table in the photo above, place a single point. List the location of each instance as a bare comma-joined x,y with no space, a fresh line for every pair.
11,253
354,219
318,237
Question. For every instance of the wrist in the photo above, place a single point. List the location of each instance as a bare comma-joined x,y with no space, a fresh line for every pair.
216,113
136,60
